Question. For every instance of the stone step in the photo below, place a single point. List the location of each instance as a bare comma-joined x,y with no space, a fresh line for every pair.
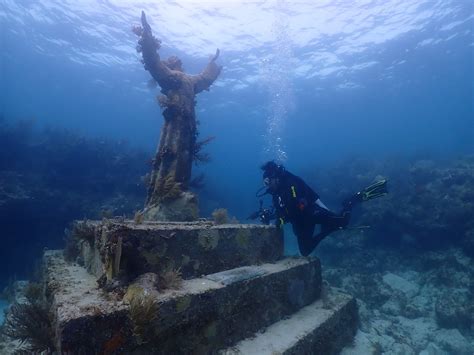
323,327
123,248
79,308
205,314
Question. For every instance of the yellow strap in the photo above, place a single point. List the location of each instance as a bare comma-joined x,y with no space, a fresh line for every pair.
293,192
282,222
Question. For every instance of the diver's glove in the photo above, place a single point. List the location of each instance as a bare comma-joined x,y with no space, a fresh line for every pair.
266,215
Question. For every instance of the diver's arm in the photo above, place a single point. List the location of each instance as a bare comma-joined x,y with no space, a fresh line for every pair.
210,73
280,202
280,218
300,196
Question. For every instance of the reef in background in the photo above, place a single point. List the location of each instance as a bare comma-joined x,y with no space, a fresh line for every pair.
49,178
430,204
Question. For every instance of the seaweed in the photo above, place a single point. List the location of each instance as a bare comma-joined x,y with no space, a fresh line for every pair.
81,231
168,189
30,323
34,292
139,217
170,279
220,216
171,189
198,155
197,182
84,230
143,312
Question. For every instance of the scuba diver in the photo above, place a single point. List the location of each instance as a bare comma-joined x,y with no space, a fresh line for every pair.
295,202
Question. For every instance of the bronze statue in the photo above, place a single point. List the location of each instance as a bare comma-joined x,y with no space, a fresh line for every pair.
168,196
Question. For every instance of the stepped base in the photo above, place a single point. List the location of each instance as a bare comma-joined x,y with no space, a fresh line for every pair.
85,317
124,250
205,314
324,327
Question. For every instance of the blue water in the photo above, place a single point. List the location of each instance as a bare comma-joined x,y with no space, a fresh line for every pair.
307,83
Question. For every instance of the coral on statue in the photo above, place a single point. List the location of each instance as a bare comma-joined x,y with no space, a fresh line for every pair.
168,196
220,216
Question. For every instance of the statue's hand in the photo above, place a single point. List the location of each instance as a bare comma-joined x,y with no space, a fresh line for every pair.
147,42
213,59
210,73
145,25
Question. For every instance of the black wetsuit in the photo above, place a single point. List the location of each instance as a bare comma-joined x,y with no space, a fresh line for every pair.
295,202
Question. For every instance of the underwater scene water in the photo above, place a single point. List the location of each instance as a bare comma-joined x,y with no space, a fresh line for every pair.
340,93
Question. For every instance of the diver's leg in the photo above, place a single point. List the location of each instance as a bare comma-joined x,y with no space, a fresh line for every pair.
304,234
331,221
325,231
375,190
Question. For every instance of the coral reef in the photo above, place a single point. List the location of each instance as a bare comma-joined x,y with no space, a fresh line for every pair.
430,204
455,309
178,147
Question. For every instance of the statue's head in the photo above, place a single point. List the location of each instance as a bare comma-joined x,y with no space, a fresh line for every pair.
174,63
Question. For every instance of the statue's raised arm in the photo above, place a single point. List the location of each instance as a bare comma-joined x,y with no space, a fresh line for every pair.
210,73
148,46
